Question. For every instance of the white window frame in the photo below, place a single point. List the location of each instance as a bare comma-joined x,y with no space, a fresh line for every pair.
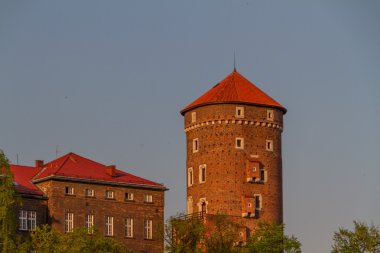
32,220
89,223
69,222
269,145
202,168
195,145
69,190
89,192
23,220
110,194
241,143
239,112
148,229
270,115
148,198
129,196
109,226
193,117
260,201
190,176
128,227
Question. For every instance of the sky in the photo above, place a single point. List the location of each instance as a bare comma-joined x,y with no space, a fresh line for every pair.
107,79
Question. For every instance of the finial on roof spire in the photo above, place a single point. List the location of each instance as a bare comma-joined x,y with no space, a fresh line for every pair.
234,62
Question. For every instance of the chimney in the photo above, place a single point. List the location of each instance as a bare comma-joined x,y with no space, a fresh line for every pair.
111,170
39,164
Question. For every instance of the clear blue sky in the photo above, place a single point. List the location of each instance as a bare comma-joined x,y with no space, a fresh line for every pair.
107,79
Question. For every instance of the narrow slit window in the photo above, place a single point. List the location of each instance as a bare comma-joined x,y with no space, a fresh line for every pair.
270,115
239,143
190,177
195,145
193,117
239,113
202,173
269,145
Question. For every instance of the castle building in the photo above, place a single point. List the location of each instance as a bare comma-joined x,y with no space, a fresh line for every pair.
234,162
73,191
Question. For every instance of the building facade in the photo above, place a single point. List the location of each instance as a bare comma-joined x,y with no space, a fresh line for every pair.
73,191
234,162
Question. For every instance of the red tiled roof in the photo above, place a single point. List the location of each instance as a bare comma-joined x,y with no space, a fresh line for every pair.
75,166
23,175
235,88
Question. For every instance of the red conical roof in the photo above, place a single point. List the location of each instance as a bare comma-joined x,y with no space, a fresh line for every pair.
235,88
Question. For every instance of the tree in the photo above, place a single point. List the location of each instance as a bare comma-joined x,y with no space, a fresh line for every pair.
9,240
183,235
46,239
222,234
270,238
363,239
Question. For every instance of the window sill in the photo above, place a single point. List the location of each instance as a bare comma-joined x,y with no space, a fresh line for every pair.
109,198
127,237
129,200
70,195
149,239
146,202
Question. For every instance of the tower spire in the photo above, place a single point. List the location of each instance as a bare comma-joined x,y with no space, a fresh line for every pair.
234,62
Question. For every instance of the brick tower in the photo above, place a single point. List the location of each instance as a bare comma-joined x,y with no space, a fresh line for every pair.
234,164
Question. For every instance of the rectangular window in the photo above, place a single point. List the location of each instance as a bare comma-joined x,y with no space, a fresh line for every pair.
69,190
128,196
269,145
239,112
148,198
89,223
270,115
27,220
148,225
109,226
23,220
69,222
195,145
128,227
257,202
202,173
32,220
109,194
193,117
239,143
190,177
89,193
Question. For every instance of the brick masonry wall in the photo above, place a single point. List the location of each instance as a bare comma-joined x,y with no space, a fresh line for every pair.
30,203
226,180
59,203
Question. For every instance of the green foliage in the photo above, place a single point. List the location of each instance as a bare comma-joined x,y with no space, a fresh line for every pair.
363,239
183,236
222,235
8,199
46,239
270,238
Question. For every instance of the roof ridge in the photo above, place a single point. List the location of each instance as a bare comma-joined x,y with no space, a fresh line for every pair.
64,162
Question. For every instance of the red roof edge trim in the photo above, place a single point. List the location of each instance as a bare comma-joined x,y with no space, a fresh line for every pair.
97,181
232,102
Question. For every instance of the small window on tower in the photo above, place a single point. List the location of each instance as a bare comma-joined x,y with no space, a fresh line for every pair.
190,177
269,145
195,145
239,143
193,117
270,115
258,202
239,112
202,173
